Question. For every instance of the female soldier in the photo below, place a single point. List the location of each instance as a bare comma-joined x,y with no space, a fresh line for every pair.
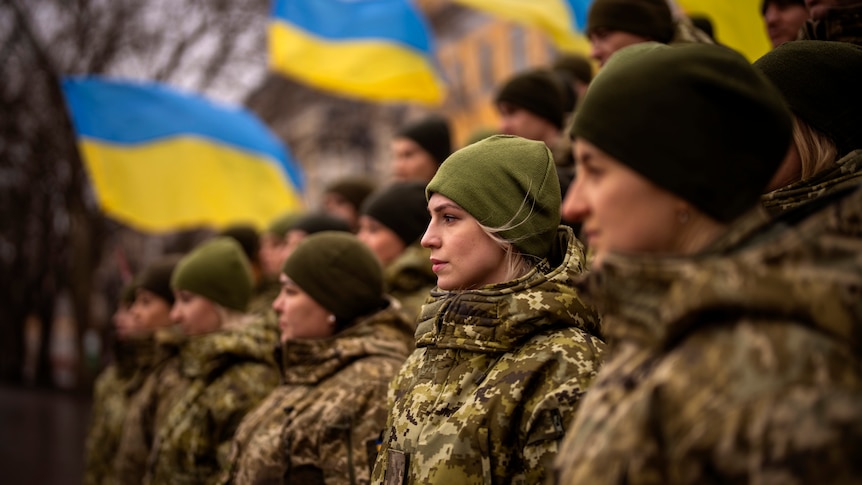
392,222
732,338
819,80
341,345
144,311
224,369
505,348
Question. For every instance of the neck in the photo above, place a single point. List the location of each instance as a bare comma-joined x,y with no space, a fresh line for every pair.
698,233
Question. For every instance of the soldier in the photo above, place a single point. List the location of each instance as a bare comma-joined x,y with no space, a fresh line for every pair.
147,303
505,347
273,240
419,148
224,369
783,19
835,20
392,222
734,340
819,80
343,198
249,240
342,342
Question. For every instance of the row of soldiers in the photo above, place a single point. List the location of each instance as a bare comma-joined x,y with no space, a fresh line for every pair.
708,334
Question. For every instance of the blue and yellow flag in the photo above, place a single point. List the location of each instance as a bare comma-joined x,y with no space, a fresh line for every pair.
562,20
737,24
161,160
380,50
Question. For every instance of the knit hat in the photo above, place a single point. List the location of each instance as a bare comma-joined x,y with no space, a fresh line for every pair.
339,272
353,189
505,181
647,18
217,270
538,91
780,3
402,208
320,221
432,134
820,82
247,237
723,128
127,293
283,223
576,65
156,278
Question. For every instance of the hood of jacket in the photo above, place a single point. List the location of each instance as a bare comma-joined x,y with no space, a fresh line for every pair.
253,340
500,317
846,172
382,334
411,271
805,266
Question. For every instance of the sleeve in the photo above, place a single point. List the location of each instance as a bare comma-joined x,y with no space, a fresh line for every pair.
133,451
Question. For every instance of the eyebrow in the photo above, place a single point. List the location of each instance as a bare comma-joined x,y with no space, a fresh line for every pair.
444,206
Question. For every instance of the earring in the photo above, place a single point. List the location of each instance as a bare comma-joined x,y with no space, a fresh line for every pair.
682,216
331,318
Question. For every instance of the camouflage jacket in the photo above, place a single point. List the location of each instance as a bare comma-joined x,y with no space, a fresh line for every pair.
409,279
113,389
263,297
739,365
846,172
316,427
133,447
199,399
497,375
840,24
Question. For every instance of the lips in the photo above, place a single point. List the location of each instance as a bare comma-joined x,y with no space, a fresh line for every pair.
437,265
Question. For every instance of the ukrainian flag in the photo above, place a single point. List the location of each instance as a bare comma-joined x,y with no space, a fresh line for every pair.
562,20
161,160
380,50
737,24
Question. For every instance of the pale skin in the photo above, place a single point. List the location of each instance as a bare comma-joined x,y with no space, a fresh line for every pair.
195,314
622,211
412,162
783,22
271,254
605,42
382,241
299,315
463,256
149,312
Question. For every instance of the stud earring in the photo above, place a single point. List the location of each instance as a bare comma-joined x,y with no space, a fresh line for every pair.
331,318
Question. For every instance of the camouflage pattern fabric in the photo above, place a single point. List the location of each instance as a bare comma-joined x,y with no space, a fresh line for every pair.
133,448
685,32
113,389
739,365
263,297
409,279
315,428
840,24
497,376
846,173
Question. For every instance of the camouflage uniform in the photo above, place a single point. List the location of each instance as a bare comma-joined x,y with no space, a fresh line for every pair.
409,279
196,403
112,392
132,449
497,375
841,24
315,427
741,365
264,295
846,173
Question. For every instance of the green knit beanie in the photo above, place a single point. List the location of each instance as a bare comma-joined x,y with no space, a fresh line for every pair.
695,119
156,278
820,82
247,237
505,181
576,65
353,189
402,208
217,270
283,223
647,18
538,91
339,272
432,134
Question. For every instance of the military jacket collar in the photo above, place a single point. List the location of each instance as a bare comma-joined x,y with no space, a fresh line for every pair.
847,170
499,318
208,354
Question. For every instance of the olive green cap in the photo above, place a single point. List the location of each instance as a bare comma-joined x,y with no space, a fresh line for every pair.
505,181
695,119
217,270
339,272
648,18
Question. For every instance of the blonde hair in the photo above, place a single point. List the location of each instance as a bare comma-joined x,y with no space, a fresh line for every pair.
517,264
817,151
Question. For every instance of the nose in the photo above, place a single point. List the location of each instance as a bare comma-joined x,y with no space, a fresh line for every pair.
276,304
175,315
574,207
429,239
771,15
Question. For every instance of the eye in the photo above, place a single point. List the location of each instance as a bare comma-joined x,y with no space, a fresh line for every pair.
448,218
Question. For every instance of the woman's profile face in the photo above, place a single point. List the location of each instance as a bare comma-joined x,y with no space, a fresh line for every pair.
463,256
150,312
299,315
385,244
195,314
620,210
